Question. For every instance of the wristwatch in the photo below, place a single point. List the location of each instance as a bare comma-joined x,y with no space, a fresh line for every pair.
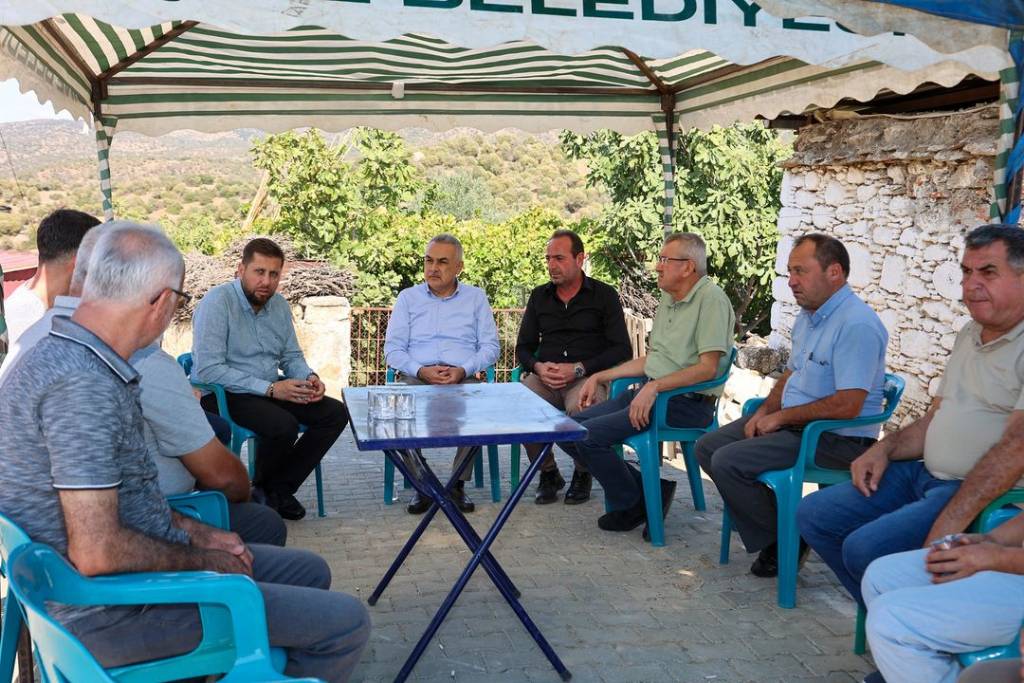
579,370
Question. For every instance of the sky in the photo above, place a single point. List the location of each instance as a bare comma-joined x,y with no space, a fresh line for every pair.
17,107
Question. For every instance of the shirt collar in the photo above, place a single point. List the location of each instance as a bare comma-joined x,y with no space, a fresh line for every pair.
689,295
1016,331
830,306
426,289
68,329
65,304
588,285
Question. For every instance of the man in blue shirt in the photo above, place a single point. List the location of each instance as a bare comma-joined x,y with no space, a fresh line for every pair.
836,371
243,338
442,332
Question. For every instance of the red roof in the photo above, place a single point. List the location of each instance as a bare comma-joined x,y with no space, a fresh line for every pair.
12,261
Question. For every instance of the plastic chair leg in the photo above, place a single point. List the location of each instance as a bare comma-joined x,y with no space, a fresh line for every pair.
389,481
513,474
11,627
788,545
650,470
693,474
723,549
406,484
478,469
492,463
318,475
859,634
251,449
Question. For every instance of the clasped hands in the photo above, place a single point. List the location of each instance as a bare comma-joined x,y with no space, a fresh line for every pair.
309,390
441,374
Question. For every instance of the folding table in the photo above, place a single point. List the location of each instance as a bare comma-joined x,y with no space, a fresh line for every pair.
461,415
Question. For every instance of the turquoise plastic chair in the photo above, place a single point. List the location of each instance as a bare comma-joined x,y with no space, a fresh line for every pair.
478,463
209,507
11,538
788,485
231,607
240,435
647,445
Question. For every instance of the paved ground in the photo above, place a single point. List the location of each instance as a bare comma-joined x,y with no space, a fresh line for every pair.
613,607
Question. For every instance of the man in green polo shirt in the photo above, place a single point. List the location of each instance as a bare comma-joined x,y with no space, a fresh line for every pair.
690,343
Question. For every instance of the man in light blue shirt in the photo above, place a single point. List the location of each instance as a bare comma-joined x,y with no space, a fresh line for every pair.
836,371
243,338
442,332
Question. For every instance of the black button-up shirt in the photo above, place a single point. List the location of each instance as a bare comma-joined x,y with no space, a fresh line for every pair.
590,329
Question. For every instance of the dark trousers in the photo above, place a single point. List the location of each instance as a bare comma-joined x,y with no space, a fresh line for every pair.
282,463
221,427
608,424
734,462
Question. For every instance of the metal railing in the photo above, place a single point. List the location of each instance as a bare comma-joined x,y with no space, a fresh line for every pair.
370,324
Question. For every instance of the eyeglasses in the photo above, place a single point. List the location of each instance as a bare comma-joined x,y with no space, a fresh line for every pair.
184,297
665,259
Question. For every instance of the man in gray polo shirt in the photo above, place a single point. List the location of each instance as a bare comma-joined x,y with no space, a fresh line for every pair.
75,473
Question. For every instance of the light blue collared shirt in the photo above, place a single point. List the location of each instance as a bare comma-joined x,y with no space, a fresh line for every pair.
839,346
241,349
456,330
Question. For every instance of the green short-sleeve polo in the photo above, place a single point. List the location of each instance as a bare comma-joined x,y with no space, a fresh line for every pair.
700,322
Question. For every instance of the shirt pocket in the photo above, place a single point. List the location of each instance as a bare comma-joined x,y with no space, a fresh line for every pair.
819,378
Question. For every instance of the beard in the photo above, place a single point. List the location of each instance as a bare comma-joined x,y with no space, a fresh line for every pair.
253,298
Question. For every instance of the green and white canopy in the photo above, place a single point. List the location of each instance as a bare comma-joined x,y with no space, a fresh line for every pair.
153,66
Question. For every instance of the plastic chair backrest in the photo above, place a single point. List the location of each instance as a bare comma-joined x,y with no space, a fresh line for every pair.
185,361
12,537
38,574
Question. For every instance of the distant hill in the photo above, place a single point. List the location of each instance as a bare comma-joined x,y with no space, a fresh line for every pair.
187,174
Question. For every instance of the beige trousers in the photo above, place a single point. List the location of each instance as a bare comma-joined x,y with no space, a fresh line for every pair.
567,399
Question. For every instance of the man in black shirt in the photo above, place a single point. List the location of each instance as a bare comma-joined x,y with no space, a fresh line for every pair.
573,327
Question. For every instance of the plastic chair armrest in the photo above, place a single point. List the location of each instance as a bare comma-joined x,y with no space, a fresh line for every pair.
661,403
516,375
751,405
617,386
218,391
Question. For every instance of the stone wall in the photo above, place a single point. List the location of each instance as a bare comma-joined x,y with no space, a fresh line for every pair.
900,194
323,326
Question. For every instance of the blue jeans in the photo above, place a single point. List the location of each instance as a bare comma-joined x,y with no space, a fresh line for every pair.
916,628
849,530
608,424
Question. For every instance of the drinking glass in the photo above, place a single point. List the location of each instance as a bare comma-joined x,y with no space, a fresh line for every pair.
405,405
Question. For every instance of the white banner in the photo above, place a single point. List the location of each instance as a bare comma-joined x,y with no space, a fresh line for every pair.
736,30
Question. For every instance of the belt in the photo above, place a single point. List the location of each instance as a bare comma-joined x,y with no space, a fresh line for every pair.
696,396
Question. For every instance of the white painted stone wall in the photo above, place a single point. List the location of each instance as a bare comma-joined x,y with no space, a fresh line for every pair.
323,326
900,195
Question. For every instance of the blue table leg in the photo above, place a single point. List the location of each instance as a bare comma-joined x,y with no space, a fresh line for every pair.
471,539
478,558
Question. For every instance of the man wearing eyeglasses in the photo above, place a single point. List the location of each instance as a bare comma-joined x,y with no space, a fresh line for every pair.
689,344
243,338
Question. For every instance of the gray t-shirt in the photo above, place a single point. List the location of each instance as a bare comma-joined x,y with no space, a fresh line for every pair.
175,424
77,424
21,310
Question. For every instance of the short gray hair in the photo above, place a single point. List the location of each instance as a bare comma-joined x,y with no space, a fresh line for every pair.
132,262
1010,235
694,247
85,253
447,238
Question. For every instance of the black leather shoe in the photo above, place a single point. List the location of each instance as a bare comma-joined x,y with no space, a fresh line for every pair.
579,488
459,497
767,563
548,487
668,493
623,520
286,505
418,505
